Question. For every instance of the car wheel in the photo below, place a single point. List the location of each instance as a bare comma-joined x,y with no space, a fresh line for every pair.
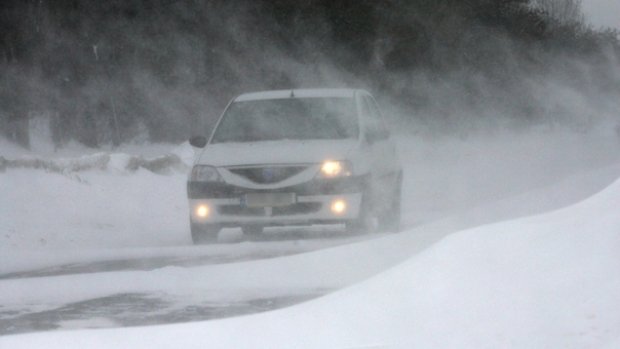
252,229
366,222
389,220
204,233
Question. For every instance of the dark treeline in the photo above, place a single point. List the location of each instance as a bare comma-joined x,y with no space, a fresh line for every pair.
106,71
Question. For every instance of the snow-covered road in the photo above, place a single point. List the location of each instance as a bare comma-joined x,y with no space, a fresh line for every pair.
109,247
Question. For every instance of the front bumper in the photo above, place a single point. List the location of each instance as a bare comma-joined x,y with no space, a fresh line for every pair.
312,204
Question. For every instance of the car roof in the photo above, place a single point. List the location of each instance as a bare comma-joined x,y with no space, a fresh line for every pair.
298,93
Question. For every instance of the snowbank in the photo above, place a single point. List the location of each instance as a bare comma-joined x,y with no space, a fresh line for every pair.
93,209
100,161
74,198
545,281
73,157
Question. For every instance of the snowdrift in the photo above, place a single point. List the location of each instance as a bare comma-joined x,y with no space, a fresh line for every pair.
74,157
545,281
101,161
71,197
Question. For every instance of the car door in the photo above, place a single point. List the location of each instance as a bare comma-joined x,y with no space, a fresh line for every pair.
380,149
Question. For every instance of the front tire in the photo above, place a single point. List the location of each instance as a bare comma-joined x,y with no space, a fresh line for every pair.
366,221
389,220
204,233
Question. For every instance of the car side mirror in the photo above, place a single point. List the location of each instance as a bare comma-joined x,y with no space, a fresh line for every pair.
198,141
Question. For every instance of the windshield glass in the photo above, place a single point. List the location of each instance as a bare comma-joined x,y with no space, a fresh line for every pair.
290,118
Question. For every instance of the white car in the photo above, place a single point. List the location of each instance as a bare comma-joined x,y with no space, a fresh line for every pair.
296,157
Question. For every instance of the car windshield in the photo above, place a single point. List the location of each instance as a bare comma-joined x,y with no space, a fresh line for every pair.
290,118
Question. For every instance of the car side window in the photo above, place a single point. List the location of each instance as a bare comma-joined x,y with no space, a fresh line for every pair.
374,126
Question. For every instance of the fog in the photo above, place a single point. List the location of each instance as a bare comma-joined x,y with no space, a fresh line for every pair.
500,110
109,73
601,13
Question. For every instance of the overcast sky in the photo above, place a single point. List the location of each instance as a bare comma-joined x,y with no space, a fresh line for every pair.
602,13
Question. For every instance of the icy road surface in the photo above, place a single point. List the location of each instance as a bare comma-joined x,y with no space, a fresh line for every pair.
109,246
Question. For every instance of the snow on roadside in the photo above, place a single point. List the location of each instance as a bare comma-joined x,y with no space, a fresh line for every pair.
446,175
324,269
305,273
93,210
80,198
118,162
51,218
544,281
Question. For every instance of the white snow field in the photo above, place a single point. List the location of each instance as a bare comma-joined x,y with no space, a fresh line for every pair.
548,281
452,278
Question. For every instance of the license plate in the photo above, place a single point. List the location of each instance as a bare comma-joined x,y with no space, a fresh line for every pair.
268,199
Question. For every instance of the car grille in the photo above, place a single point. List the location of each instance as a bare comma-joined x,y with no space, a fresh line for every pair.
268,175
298,208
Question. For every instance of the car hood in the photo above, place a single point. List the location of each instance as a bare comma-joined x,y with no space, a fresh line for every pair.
275,152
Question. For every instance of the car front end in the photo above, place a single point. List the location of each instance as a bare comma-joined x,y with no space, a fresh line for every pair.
272,195
290,157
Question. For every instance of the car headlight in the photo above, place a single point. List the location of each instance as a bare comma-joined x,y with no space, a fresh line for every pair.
335,169
202,173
